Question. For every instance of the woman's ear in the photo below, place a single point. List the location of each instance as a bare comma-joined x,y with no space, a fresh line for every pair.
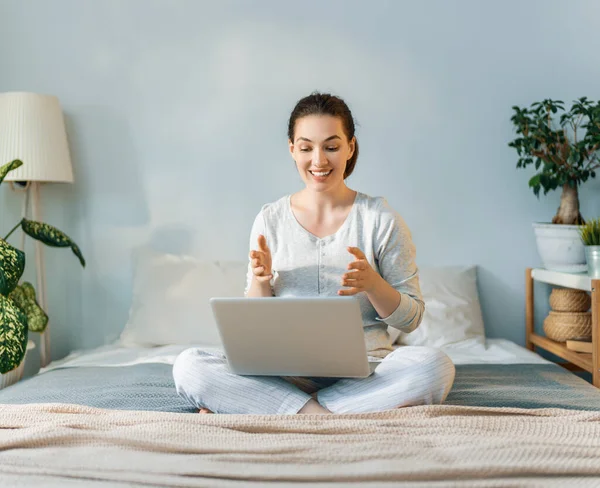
291,146
352,145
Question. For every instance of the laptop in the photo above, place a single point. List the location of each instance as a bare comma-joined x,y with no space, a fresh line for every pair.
293,336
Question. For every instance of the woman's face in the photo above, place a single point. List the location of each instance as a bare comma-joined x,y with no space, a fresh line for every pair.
321,150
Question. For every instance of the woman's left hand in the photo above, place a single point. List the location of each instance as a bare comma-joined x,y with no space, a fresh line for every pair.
362,277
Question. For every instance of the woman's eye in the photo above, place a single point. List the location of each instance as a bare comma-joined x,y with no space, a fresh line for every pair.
304,149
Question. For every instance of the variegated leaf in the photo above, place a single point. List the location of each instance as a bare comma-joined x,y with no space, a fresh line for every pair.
12,264
24,296
13,335
50,236
8,167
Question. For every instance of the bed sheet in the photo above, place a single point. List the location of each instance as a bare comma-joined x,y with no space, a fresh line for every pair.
494,351
499,374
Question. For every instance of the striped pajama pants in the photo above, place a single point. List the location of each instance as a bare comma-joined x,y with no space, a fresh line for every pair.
410,375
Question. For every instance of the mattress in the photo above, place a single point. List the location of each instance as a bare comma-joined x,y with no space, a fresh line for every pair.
497,374
493,351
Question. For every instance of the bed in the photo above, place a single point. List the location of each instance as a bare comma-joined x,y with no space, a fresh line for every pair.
110,416
497,374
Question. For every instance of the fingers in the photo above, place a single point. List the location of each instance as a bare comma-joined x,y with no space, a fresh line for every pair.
352,275
348,292
360,265
353,283
356,252
260,259
262,279
262,243
257,256
259,269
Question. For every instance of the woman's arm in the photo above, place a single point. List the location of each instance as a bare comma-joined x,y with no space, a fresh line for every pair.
395,256
400,303
384,298
259,289
255,287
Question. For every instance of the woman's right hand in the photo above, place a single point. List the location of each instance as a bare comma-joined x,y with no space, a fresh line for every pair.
261,261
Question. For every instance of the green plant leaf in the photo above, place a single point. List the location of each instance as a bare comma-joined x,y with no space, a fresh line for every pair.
590,232
50,236
535,180
24,297
8,167
12,264
13,335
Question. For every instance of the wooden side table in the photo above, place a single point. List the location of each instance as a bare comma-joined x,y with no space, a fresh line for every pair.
579,281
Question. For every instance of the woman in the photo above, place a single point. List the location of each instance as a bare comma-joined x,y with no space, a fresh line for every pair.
328,240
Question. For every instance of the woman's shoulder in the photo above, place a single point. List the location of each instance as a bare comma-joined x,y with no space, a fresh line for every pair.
377,205
274,209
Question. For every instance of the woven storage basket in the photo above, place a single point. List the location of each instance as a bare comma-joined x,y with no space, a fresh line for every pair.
569,300
564,326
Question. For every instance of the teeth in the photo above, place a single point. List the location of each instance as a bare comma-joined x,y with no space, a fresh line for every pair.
321,174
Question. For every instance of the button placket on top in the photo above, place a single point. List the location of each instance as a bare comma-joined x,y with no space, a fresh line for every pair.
319,266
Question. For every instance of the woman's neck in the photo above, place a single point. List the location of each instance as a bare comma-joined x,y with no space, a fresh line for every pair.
342,196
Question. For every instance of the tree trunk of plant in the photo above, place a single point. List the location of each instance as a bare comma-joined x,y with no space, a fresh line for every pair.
568,211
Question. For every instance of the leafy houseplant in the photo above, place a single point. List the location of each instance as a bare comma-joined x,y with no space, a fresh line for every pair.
590,235
566,157
564,152
19,310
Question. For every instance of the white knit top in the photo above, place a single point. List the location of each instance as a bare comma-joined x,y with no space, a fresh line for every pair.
306,265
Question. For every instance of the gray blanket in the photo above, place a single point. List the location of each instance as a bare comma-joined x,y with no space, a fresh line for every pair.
150,386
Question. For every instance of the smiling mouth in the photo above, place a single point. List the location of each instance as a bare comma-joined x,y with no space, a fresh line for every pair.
320,174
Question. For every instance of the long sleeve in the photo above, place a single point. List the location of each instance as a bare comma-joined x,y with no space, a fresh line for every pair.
395,254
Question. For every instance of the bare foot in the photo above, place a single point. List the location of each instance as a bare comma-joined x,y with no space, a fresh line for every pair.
204,410
312,406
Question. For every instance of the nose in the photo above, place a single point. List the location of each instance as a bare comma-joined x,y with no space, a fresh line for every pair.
319,157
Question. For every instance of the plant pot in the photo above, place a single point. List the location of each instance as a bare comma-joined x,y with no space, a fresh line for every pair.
14,375
560,247
592,258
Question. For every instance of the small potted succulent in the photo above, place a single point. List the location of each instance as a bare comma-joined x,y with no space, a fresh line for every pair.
590,236
565,154
19,310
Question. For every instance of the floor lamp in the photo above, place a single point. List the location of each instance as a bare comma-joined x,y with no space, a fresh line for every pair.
32,129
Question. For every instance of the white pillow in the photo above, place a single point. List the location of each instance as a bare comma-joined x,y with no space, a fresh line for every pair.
171,292
170,298
452,309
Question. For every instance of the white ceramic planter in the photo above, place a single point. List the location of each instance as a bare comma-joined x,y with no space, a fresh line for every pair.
560,247
14,375
592,256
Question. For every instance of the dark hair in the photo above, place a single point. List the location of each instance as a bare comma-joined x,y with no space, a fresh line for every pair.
325,104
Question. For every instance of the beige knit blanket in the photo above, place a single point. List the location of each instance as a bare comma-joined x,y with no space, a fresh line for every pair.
66,445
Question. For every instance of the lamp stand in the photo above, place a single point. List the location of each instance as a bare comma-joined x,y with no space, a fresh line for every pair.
32,193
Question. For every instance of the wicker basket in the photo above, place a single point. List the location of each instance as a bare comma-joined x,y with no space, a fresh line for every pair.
564,326
569,300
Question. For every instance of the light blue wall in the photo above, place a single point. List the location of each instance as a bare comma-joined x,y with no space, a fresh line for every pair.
177,115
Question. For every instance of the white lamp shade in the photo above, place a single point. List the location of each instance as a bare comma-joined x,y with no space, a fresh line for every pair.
32,129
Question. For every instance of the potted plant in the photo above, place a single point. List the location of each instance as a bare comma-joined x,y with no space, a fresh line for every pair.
19,310
590,236
565,154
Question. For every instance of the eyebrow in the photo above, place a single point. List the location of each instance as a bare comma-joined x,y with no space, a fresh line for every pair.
328,139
